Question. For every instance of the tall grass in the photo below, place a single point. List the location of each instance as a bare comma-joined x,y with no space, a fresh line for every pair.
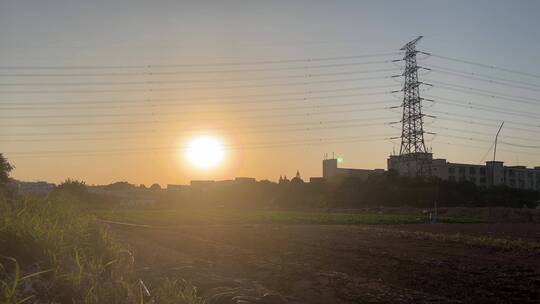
51,251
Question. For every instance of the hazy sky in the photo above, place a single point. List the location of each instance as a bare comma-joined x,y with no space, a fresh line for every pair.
128,99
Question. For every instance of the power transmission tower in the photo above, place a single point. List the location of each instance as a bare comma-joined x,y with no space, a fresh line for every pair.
413,148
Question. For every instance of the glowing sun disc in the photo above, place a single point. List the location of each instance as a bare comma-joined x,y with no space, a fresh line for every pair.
205,152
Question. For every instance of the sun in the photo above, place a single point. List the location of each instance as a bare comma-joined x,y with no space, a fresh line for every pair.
205,152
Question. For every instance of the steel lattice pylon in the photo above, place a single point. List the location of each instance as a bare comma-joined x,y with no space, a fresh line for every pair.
412,132
413,153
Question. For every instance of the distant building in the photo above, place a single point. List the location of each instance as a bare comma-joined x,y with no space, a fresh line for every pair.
202,183
245,180
487,175
316,180
224,183
410,164
171,187
297,179
38,187
331,170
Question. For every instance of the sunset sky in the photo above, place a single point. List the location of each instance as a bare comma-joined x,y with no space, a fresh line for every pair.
106,91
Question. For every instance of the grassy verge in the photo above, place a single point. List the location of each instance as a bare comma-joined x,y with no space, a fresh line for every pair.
52,252
228,216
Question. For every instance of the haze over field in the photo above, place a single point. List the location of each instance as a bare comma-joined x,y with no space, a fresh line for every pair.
146,77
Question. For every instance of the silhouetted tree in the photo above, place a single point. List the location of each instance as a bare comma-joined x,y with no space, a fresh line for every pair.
5,169
155,187
71,189
120,186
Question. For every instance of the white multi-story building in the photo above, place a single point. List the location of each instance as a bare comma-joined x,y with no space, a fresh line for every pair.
331,170
487,175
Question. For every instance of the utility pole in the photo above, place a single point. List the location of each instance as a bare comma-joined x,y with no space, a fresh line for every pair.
495,155
413,146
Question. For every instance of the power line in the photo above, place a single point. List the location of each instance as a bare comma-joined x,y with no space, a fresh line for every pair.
150,90
320,125
168,113
223,100
230,71
464,137
153,114
152,82
520,145
487,153
481,133
153,132
457,144
488,80
486,125
496,95
482,75
476,118
493,93
124,151
78,133
487,141
310,106
184,65
138,122
247,131
483,147
483,65
492,109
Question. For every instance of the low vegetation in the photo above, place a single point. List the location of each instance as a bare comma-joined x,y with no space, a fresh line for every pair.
53,252
190,216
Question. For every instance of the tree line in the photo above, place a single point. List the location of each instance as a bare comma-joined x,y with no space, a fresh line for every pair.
385,190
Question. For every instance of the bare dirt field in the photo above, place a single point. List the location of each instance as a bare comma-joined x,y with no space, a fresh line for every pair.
414,263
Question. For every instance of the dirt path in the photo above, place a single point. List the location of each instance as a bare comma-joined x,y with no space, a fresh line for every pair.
338,264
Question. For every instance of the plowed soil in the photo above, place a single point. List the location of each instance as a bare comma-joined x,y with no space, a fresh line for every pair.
348,264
